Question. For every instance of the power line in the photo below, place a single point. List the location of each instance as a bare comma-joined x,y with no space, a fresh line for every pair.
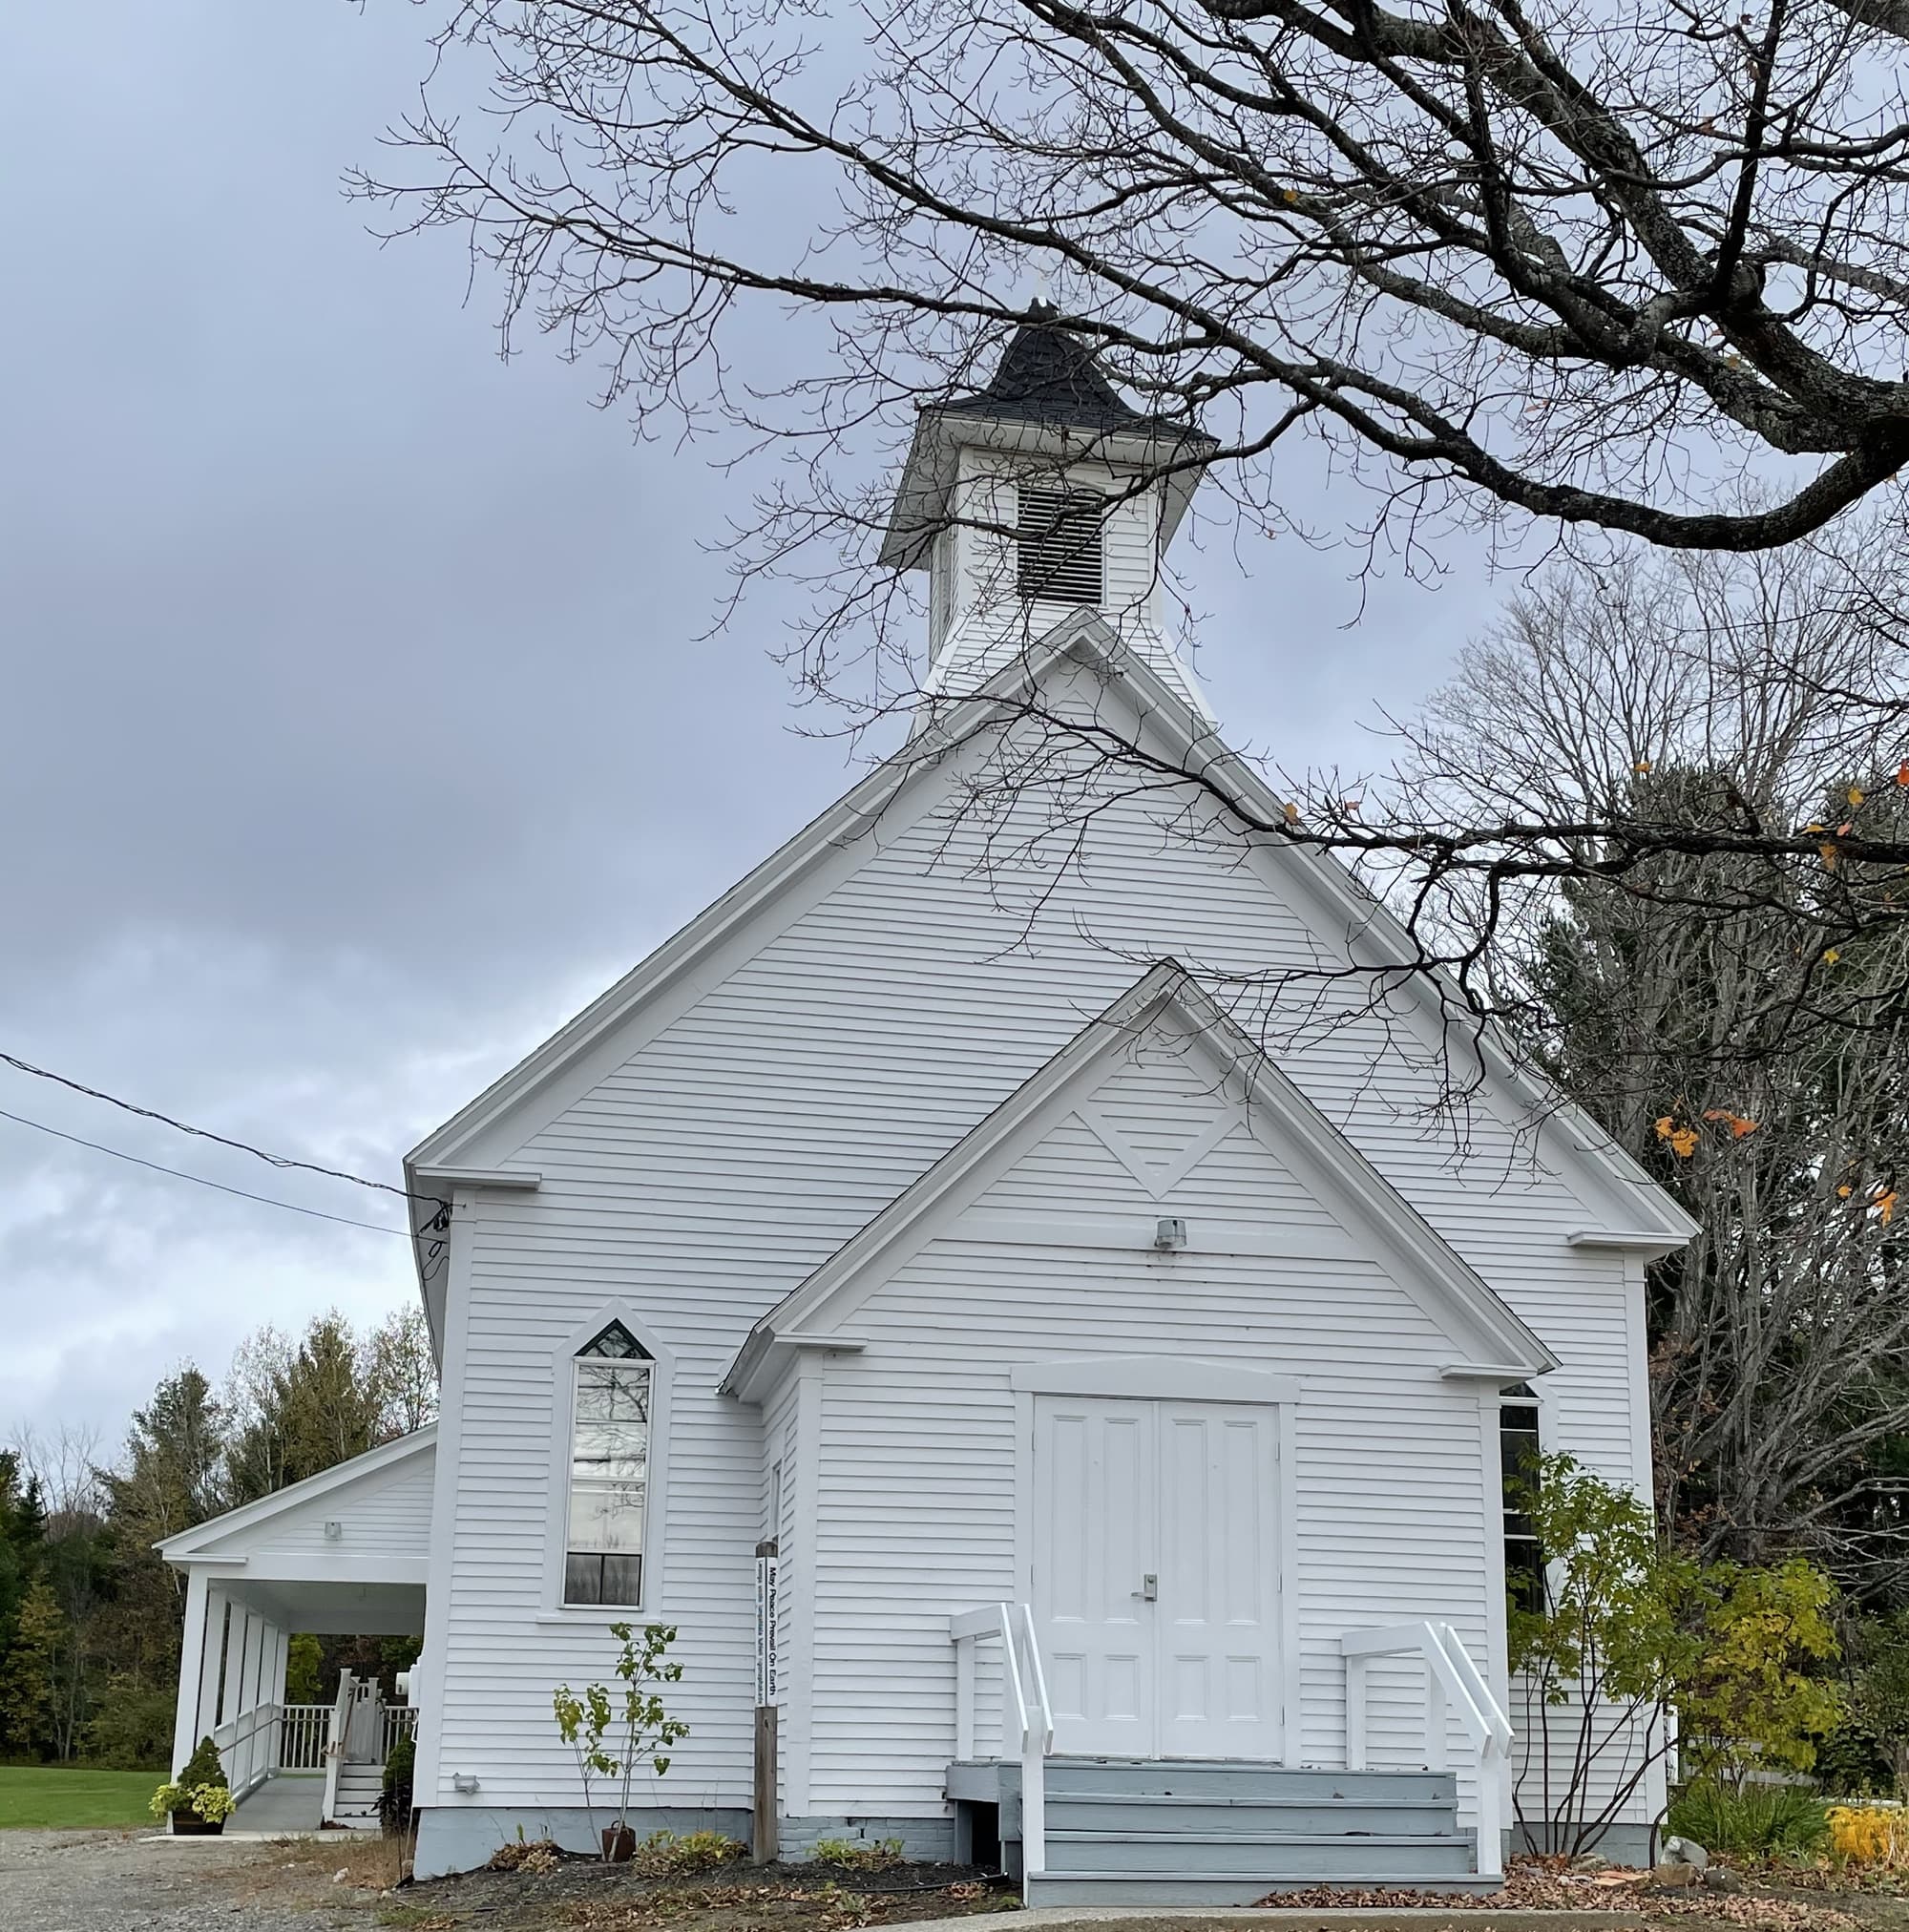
180,1175
206,1134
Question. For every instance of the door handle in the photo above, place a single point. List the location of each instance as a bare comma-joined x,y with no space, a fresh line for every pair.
1149,1588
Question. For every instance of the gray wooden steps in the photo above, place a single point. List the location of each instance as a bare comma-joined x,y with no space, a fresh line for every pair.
1166,1832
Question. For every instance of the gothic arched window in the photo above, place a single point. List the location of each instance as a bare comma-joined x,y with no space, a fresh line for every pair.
614,1391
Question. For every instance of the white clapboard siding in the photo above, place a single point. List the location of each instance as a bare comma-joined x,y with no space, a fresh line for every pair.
909,990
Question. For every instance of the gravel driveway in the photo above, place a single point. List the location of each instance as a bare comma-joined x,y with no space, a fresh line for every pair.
127,1881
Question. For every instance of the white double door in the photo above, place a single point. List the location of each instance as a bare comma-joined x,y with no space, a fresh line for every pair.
1155,1553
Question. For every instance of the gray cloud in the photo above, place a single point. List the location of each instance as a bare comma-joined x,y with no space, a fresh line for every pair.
354,730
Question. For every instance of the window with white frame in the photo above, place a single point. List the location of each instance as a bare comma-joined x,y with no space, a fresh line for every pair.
1519,1450
612,1393
1058,544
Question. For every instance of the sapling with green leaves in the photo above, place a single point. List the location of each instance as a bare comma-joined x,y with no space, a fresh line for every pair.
1632,1630
586,1721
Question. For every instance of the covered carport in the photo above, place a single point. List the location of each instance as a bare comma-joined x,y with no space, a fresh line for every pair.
345,1553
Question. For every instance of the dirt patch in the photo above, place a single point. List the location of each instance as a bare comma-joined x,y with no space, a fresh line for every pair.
586,1893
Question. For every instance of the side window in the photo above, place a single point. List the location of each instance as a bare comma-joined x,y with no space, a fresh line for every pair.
1519,1450
609,1469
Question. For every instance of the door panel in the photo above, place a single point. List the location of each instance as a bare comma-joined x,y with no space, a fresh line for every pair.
1219,1580
1156,1585
1093,1508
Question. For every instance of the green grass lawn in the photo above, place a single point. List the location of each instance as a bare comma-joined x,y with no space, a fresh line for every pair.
54,1797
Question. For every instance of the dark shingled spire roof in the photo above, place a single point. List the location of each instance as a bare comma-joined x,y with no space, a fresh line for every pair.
1049,375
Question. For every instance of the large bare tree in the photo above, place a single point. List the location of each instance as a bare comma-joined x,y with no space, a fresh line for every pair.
1698,1009
1583,259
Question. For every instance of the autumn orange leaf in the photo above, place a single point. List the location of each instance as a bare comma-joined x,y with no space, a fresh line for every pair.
1829,855
1903,772
1830,956
1641,765
1855,794
1886,1207
1844,1191
1291,812
1736,1122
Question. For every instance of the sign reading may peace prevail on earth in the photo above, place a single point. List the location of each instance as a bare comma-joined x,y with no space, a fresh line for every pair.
769,1624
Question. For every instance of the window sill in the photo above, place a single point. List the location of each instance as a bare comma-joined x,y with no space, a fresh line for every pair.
601,1613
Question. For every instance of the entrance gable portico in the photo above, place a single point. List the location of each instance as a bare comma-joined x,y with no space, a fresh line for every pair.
345,1553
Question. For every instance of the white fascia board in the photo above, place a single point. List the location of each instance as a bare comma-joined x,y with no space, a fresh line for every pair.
1318,1152
516,1178
1493,1371
340,1476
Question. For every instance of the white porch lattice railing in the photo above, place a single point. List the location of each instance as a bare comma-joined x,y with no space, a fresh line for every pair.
1027,1717
1451,1678
302,1728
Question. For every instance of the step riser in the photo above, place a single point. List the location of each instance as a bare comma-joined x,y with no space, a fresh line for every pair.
1204,1890
1209,1818
1248,1781
1121,1859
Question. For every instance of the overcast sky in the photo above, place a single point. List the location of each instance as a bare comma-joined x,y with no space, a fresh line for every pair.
355,730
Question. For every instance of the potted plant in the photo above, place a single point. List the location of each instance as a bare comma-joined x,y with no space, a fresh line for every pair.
648,1730
199,1800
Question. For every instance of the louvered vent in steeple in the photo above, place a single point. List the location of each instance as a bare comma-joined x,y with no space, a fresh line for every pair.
1060,545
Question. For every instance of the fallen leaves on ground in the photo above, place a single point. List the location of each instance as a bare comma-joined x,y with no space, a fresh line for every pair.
1549,1885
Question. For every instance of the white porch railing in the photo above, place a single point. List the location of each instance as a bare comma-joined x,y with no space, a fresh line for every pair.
1450,1676
302,1729
248,1745
1027,1717
399,1720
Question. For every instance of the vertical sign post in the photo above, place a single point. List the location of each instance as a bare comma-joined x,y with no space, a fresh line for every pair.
763,1845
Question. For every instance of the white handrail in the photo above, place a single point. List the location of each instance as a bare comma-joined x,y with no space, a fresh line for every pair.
334,1746
248,1745
1012,1627
1450,1673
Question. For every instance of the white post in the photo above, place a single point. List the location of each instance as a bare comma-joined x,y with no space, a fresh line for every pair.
192,1671
1355,1713
237,1637
1492,1767
964,1699
1438,1746
218,1612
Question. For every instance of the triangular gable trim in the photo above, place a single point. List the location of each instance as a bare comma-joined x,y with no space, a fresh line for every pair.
1487,1327
191,1543
1624,1194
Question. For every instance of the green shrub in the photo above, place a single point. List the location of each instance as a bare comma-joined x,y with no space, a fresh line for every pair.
201,1786
1853,1761
1759,1821
394,1795
859,1855
663,1855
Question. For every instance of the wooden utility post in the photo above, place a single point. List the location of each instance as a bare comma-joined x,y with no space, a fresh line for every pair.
762,1846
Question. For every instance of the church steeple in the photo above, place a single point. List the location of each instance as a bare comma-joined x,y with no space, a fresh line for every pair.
1041,495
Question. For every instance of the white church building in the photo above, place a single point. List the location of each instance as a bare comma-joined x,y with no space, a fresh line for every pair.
1001,1285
